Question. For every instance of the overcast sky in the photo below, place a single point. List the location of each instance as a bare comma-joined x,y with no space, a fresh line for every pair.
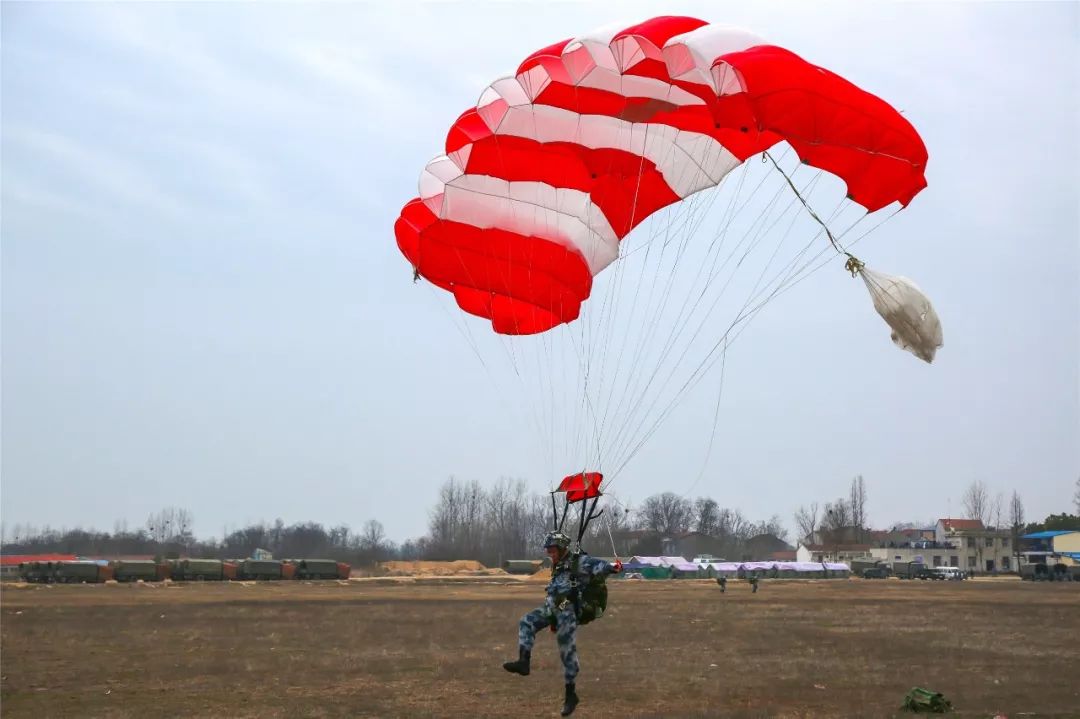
204,306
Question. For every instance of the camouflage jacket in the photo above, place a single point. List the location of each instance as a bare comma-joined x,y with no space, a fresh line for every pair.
561,586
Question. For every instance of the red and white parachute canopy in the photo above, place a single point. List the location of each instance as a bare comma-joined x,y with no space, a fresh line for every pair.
554,166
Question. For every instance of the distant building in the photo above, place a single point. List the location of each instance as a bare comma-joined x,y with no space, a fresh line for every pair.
1040,547
977,548
762,546
901,537
818,553
691,544
963,543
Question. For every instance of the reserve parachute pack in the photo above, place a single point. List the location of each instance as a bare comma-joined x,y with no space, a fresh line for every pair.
591,600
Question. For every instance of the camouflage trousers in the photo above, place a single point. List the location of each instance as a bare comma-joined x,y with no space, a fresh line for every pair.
565,633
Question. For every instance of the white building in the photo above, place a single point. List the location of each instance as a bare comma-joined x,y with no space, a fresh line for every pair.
831,552
963,543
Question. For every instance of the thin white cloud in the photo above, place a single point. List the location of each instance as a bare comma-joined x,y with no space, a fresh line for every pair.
92,170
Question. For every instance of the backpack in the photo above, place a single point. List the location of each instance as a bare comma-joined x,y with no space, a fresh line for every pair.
590,601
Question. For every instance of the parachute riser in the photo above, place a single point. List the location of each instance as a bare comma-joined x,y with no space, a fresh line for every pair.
587,514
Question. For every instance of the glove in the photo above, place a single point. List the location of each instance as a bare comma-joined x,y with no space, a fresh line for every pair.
618,566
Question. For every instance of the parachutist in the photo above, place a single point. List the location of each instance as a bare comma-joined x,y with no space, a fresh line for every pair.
415,275
576,595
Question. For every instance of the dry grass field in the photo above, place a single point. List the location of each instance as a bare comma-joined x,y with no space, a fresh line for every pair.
433,648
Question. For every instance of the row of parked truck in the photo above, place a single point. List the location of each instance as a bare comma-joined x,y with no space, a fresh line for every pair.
906,570
147,570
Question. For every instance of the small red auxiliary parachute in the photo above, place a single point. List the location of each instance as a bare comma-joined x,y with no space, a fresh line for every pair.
553,167
585,485
579,487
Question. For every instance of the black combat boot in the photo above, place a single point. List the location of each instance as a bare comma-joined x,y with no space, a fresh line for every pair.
521,666
571,700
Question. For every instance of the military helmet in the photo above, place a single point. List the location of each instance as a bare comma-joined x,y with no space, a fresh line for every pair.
556,539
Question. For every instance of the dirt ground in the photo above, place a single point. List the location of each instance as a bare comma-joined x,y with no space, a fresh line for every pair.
433,648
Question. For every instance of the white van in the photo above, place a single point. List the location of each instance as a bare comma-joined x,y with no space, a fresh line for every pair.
948,573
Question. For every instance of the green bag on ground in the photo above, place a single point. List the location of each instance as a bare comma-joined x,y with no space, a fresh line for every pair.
924,701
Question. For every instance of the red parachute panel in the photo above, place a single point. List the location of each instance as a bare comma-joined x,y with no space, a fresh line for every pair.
584,485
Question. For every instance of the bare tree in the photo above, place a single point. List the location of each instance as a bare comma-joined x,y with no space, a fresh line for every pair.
171,524
806,521
706,516
837,515
667,513
1076,496
507,525
1016,523
976,501
732,525
772,526
996,509
447,518
857,503
606,531
373,536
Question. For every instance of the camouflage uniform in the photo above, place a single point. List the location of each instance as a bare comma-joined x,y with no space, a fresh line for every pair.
559,608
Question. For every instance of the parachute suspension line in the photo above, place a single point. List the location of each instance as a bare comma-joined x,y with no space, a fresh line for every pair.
614,551
650,327
809,209
742,322
581,386
724,341
543,409
718,236
666,295
461,324
783,276
641,399
544,349
472,340
609,316
605,330
641,360
806,274
622,358
754,293
608,322
634,360
716,422
581,442
790,271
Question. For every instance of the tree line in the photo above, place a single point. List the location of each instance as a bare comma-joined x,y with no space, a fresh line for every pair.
469,520
504,520
844,520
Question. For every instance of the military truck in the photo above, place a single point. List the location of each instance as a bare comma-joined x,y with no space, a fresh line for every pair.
75,572
197,570
65,572
36,572
316,569
911,570
258,569
132,570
